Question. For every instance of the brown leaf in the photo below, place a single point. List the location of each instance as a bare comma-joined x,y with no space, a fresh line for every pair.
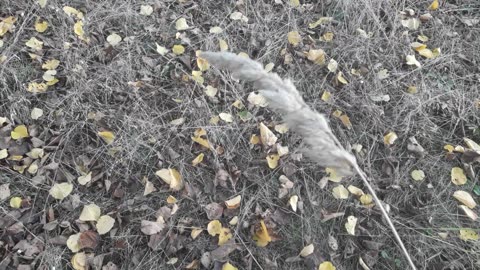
151,227
224,250
214,211
89,239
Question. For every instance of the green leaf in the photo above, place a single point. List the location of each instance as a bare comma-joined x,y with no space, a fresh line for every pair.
476,190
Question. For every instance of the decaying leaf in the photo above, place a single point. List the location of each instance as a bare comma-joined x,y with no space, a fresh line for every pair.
332,65
223,45
307,250
340,192
36,113
465,198
326,96
341,79
412,61
224,235
281,128
411,23
226,117
181,24
351,224
35,44
317,56
257,99
198,159
152,227
458,176
171,177
149,187
433,5
80,261
41,26
90,212
322,20
60,191
333,175
261,237
84,179
366,199
355,190
19,132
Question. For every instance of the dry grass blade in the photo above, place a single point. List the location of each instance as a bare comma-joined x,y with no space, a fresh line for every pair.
282,96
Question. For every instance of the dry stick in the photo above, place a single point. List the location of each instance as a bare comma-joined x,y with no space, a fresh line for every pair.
324,147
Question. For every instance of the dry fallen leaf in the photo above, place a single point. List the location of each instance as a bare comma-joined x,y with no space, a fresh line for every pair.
149,187
322,20
257,99
465,198
272,160
332,65
234,202
84,179
326,266
326,96
4,192
16,202
171,177
350,225
36,113
293,201
340,192
228,266
224,235
210,91
197,160
261,236
195,233
355,190
417,175
146,10
104,224
341,79
316,56
214,227
35,44
107,136
42,3
60,191
73,242
151,227
458,176
307,250
281,128
366,199
90,212
266,136
216,30
411,23
472,215
390,138
294,38
433,5
468,234
178,49
181,24
114,39
41,26
223,45
412,61
333,175
19,132
226,117
80,261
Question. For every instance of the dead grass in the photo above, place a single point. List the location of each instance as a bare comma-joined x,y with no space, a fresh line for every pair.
94,78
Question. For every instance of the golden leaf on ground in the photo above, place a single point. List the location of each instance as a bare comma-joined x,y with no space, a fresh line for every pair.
228,266
351,224
73,242
412,89
181,24
49,75
333,175
422,38
41,26
294,38
214,227
171,199
293,201
282,150
104,224
233,221
472,215
390,138
340,192
269,67
257,99
326,266
449,148
316,56
341,79
210,91
146,10
19,132
468,234
178,49
234,202
272,160
16,202
215,30
465,198
195,233
85,179
171,177
198,159
417,175
254,139
261,236
42,3
78,29
355,190
328,36
294,3
458,177
266,136
34,43
60,191
433,5
90,212
203,142
417,46
202,64
427,53
6,25
307,250
366,199
107,136
238,104
114,39
326,96
436,52
346,121
224,235
197,76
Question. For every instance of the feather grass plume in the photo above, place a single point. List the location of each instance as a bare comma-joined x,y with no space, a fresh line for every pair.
282,96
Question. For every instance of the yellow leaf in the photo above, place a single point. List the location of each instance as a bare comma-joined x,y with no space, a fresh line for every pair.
468,234
181,24
234,202
328,36
195,233
202,64
269,67
107,136
341,79
210,91
6,25
34,43
412,90
85,179
203,142
436,52
52,82
223,45
104,224
257,99
320,21
214,227
228,266
199,132
19,168
417,46
346,121
60,191
417,175
340,192
72,11
293,201
198,159
427,53
19,132
294,3
333,175
161,50
171,177
433,5
316,56
350,225
16,202
307,250
458,176
254,139
326,96
449,148
78,28
51,64
411,61
366,199
216,30
233,221
224,235
197,76
3,153
90,212
465,198
422,38
390,138
294,38
178,49
41,26
171,199
266,136
261,236
326,266
73,242
355,190
42,3
272,160
79,261
49,75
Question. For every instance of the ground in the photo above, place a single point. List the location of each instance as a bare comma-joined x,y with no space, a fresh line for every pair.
135,91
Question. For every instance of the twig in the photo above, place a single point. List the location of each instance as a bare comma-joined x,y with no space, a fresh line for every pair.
282,96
